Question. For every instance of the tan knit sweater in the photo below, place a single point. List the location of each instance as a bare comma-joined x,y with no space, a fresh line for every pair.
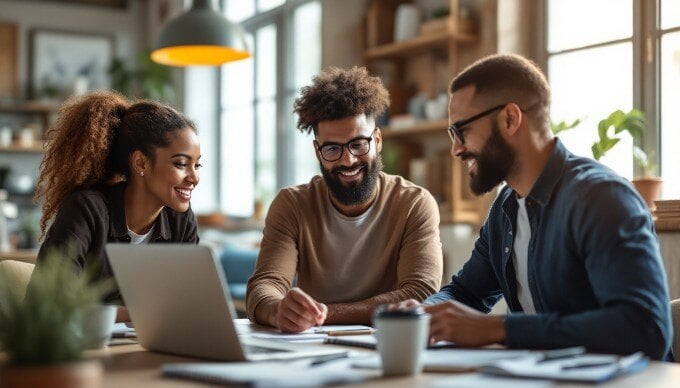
391,252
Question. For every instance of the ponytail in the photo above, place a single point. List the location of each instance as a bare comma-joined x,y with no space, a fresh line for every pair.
77,148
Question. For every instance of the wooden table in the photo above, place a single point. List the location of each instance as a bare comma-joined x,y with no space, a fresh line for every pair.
132,366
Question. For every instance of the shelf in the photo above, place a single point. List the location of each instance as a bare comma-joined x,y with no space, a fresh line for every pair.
416,45
30,107
427,128
37,146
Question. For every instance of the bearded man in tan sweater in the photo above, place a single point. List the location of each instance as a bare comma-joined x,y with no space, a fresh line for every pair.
354,238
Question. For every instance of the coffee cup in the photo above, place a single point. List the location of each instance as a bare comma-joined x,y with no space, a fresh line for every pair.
98,322
402,339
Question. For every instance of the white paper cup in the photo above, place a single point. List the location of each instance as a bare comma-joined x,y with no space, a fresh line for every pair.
98,321
402,340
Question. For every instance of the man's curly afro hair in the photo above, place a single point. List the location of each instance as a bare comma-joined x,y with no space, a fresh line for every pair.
338,93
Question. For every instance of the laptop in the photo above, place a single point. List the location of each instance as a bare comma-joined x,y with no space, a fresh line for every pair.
177,297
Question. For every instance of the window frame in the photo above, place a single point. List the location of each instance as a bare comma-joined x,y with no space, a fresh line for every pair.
283,18
646,41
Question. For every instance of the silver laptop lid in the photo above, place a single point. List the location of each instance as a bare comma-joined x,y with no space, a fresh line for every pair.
178,299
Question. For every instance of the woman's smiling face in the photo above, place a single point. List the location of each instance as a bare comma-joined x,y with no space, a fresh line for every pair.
173,172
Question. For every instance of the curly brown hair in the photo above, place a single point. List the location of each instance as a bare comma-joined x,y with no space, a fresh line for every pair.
92,139
338,93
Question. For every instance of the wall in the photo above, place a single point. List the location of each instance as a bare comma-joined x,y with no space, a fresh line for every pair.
341,40
126,25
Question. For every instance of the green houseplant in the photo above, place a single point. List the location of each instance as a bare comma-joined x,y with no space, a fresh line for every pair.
148,80
609,130
41,334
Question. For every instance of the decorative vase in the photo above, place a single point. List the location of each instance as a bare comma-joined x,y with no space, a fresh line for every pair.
649,189
79,374
407,22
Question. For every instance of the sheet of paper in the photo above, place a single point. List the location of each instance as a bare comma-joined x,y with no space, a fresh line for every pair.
290,337
476,380
327,328
453,360
587,368
121,330
264,374
312,334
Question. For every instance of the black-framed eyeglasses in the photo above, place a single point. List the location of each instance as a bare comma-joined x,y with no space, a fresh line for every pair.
456,129
359,146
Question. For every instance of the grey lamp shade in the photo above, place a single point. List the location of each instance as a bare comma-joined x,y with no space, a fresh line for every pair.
201,36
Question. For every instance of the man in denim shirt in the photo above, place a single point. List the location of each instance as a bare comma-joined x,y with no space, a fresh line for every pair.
568,243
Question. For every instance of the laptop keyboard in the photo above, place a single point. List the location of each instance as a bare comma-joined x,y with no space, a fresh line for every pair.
251,349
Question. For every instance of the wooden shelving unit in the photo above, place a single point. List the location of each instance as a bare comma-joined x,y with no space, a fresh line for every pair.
418,45
37,146
425,64
44,110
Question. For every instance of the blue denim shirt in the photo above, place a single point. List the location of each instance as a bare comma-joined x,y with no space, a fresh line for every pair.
595,271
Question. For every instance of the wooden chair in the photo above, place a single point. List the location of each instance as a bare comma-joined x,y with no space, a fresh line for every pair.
18,274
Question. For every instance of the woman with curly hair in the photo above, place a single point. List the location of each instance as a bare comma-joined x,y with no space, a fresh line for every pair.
116,171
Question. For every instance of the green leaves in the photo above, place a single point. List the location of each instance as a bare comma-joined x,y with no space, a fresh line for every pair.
148,80
45,327
633,122
563,126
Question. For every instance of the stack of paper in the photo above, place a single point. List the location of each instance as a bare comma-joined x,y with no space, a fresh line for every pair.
454,360
314,334
590,368
264,374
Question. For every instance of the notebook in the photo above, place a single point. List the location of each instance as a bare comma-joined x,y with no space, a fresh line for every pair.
178,299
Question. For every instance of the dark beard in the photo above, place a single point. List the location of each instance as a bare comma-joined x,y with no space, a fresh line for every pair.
355,193
494,163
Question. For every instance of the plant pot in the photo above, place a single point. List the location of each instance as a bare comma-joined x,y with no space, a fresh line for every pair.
72,375
649,189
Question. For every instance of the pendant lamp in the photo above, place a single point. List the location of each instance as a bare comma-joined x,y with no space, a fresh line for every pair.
201,36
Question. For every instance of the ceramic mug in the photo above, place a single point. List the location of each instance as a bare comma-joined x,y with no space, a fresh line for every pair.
98,322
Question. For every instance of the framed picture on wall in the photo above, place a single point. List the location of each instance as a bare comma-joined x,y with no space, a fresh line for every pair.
64,63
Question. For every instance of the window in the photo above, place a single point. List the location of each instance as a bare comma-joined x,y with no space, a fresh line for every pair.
668,40
603,55
590,70
261,150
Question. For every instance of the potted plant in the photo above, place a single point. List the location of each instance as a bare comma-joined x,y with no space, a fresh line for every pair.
633,122
648,185
41,334
148,80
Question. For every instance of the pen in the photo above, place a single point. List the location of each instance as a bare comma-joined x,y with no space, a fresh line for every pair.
557,354
337,333
588,365
324,359
126,334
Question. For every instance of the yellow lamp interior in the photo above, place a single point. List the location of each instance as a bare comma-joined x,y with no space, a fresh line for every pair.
197,55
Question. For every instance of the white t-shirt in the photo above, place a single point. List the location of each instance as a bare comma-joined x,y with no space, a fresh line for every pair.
520,257
140,238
